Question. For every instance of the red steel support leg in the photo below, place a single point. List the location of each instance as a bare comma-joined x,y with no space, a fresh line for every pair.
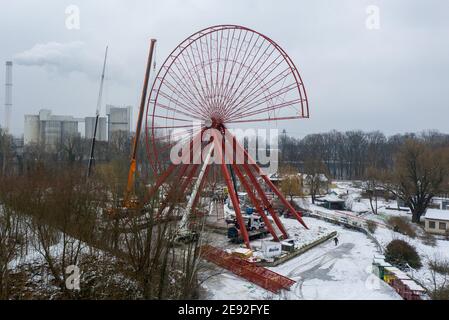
269,183
283,200
232,195
247,187
255,202
162,178
259,189
265,201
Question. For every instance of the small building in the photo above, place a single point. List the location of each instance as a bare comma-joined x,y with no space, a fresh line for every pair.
275,178
436,221
332,202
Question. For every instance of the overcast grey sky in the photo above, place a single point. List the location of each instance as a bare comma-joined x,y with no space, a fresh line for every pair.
393,79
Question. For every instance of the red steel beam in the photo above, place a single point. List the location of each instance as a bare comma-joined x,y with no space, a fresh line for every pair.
233,196
265,201
255,202
270,184
251,195
259,190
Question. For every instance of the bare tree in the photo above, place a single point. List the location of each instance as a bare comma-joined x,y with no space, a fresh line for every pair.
372,186
11,239
418,175
315,176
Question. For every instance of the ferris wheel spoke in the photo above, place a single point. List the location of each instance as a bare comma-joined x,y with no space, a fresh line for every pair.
185,72
243,65
249,70
186,110
253,85
260,90
269,108
230,88
186,99
256,79
194,65
268,98
198,96
172,118
226,60
236,53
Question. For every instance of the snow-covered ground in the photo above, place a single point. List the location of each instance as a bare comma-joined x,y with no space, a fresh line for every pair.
324,272
439,251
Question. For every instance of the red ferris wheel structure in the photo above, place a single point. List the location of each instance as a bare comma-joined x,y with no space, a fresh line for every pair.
219,78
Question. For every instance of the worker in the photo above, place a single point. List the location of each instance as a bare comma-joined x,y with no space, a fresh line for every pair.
336,241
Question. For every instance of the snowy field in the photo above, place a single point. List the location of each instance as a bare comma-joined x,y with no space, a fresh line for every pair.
325,272
361,208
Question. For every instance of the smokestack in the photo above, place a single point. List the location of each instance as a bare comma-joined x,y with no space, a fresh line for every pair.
8,95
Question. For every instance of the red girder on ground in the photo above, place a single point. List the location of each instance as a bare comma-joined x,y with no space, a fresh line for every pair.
261,276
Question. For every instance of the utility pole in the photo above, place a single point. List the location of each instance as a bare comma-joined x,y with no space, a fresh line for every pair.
97,115
132,166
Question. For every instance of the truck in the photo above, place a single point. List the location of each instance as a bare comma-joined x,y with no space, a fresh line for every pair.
235,236
252,221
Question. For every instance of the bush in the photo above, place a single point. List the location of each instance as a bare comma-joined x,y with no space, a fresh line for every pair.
438,266
402,225
401,253
372,226
440,293
429,239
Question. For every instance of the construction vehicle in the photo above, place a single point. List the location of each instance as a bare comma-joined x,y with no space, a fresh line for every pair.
235,236
254,224
129,203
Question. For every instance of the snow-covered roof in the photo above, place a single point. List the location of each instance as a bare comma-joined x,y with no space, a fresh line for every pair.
331,198
412,285
321,176
437,214
274,177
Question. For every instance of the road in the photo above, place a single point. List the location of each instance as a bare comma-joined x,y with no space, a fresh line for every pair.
325,272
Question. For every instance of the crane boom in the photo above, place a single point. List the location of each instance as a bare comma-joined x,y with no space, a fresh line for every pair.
97,115
132,166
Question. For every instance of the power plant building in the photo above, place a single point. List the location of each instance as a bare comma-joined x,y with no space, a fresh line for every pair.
49,130
89,127
119,120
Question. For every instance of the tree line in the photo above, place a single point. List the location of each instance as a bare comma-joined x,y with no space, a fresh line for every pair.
349,155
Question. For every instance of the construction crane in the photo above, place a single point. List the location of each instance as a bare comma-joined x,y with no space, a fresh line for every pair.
97,115
128,201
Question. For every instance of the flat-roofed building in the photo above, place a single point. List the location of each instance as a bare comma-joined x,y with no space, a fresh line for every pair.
436,221
49,130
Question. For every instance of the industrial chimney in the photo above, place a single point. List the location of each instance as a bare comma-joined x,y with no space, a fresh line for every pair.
8,95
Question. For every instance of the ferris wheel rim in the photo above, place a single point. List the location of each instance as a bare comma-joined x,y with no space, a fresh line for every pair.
178,51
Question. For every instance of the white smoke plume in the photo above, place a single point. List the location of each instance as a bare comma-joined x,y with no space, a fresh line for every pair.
61,58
